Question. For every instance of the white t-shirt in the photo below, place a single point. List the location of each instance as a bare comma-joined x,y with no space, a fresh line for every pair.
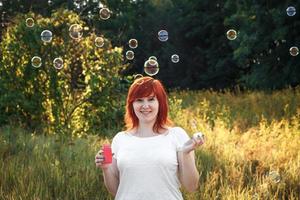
148,167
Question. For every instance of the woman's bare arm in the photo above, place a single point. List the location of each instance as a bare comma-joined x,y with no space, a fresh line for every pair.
188,173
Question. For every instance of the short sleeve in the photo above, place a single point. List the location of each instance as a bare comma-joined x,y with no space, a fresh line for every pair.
115,145
181,137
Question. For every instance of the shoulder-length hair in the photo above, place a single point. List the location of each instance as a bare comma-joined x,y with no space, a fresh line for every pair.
143,87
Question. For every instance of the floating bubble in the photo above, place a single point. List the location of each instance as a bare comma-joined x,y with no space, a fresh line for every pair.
104,13
129,55
294,51
274,176
152,57
76,31
29,22
163,35
231,34
175,58
99,42
136,76
46,36
50,2
291,11
133,43
36,61
58,63
151,67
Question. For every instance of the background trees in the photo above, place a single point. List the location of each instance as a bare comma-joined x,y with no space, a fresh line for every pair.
78,98
258,58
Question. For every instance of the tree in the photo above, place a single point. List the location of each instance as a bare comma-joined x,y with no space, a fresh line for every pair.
265,34
77,98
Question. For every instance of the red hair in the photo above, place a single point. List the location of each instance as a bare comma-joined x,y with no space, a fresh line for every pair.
143,87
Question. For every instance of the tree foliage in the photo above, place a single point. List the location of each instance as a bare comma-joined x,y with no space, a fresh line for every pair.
88,86
258,58
78,98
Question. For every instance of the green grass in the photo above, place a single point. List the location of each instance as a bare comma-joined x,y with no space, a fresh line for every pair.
48,167
252,151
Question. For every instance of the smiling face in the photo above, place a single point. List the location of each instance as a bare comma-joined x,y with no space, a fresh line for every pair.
146,108
147,103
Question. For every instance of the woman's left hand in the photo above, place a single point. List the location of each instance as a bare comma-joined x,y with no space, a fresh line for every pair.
196,141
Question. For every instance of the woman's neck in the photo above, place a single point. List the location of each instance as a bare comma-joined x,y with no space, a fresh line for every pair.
145,130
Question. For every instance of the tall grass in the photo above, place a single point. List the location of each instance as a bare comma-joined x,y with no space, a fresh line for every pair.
252,151
49,167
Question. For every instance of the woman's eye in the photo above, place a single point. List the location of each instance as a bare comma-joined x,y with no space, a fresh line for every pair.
139,100
151,99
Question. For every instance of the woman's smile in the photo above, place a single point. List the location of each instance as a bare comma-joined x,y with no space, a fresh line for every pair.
146,108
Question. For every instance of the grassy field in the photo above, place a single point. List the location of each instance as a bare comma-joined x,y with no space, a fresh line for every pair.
252,151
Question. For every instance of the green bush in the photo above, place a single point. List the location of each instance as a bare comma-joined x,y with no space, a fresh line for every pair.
82,96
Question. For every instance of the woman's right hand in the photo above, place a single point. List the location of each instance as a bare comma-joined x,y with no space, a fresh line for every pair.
99,160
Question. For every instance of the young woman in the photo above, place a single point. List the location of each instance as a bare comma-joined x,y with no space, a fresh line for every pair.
151,158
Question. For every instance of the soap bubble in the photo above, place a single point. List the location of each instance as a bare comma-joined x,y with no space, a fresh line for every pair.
294,51
99,42
129,55
291,11
231,34
50,2
152,57
46,36
29,22
104,13
163,35
58,63
133,43
36,61
75,31
274,176
151,67
136,76
175,58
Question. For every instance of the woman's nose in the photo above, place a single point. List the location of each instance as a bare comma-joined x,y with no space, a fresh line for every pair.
145,105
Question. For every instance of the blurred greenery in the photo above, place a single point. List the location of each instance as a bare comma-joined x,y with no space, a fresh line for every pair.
85,95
